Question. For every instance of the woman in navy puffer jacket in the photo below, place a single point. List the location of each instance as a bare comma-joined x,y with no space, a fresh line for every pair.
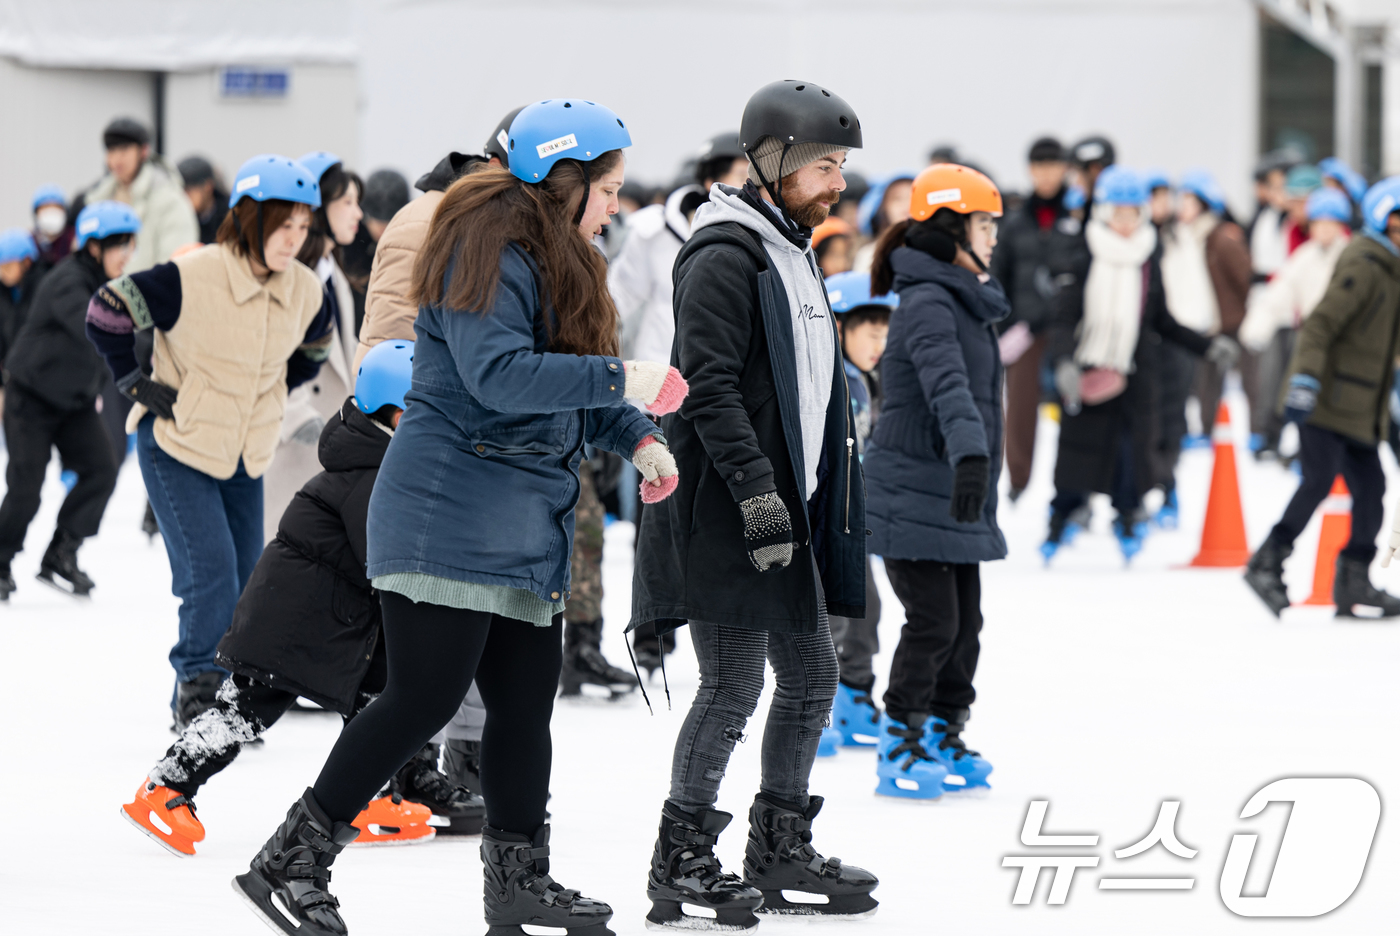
932,467
471,519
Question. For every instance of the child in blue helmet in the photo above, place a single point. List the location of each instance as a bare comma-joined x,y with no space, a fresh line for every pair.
864,326
54,378
470,523
20,272
306,625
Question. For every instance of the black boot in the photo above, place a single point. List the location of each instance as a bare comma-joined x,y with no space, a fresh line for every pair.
1352,586
420,781
1264,574
195,697
584,662
61,560
289,877
7,582
520,892
461,764
684,870
780,857
149,526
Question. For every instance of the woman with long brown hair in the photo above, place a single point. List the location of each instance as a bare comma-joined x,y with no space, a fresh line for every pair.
471,519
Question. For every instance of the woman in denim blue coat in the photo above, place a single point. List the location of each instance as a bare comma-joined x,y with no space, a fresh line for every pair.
471,520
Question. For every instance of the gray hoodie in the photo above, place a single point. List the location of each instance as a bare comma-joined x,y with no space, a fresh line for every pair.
814,336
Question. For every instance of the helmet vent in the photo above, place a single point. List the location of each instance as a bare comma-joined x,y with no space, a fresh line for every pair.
802,87
826,93
567,104
845,122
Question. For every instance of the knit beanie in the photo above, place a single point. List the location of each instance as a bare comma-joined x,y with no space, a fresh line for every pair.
770,149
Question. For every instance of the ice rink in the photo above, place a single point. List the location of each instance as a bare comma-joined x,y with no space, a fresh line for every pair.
1104,690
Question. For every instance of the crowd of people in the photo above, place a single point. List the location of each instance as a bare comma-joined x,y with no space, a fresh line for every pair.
380,437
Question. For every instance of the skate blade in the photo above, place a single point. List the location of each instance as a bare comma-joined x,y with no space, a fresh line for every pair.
404,835
671,915
446,825
613,697
159,837
275,921
699,924
53,583
514,929
887,787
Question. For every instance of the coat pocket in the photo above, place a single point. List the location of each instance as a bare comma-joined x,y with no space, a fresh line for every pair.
1353,394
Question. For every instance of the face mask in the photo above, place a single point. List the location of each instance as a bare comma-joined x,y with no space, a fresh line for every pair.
50,220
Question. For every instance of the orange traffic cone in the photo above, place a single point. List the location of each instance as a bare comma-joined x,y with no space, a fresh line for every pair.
1223,543
1336,530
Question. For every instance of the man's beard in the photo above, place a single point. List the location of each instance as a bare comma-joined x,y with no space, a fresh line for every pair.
813,212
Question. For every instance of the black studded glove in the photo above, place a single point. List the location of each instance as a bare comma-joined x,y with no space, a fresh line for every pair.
767,531
970,481
156,397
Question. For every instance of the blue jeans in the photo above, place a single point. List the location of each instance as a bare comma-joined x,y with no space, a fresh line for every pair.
213,532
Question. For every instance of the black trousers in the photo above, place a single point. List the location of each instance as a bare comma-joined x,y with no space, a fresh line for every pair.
33,429
433,654
936,658
1323,455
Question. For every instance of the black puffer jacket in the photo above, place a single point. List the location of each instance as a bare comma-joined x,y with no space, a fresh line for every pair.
51,356
309,620
1033,263
14,307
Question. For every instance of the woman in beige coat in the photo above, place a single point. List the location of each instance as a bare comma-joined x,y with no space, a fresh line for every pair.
310,405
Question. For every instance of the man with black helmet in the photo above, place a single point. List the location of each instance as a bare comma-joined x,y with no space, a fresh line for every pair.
767,531
1092,155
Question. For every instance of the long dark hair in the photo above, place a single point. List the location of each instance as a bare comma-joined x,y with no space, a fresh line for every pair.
488,209
335,182
938,236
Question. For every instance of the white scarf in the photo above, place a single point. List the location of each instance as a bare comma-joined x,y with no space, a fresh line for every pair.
1113,296
1186,278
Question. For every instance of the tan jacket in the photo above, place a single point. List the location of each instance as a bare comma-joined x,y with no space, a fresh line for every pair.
157,195
389,313
227,356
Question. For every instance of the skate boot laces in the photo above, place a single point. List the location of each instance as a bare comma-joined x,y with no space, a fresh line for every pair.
912,746
952,741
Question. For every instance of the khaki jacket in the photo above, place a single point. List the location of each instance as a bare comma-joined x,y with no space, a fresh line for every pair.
1350,342
389,313
227,356
157,195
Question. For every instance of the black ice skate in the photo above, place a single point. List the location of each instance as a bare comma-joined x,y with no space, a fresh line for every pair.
286,884
7,582
584,663
1264,575
59,567
461,764
194,697
685,871
1352,587
520,892
456,810
780,857
149,525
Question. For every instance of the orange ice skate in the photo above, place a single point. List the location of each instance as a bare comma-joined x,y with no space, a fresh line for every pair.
390,820
166,816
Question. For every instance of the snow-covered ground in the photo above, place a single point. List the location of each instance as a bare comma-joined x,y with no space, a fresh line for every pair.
1104,690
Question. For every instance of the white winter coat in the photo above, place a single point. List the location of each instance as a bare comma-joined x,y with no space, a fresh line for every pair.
639,278
1287,299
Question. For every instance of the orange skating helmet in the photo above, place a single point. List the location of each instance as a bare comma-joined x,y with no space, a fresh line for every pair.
947,185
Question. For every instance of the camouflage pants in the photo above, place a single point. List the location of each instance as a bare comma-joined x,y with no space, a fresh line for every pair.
586,564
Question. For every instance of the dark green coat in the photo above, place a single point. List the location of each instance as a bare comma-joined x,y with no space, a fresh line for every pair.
1350,342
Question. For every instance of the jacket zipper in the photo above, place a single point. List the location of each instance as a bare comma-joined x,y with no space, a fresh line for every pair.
850,442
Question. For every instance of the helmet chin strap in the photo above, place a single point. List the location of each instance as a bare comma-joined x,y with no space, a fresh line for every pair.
587,194
775,188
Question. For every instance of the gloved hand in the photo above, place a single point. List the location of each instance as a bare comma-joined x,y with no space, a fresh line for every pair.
661,389
653,459
156,397
309,432
971,478
1301,399
767,531
1067,377
1224,352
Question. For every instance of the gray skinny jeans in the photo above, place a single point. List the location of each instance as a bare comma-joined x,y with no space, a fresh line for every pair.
731,679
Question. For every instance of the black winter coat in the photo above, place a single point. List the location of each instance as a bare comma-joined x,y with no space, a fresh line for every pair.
308,621
51,356
1090,439
14,308
1033,264
942,378
739,435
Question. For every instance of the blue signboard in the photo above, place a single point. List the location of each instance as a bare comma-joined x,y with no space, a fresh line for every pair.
254,82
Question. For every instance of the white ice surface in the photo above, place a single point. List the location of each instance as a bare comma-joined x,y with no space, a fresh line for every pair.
1102,689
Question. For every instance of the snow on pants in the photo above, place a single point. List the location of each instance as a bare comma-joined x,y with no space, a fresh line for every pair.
1323,455
213,533
857,640
433,654
936,659
731,680
33,429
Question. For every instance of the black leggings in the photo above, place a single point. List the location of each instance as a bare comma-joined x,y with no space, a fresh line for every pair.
434,652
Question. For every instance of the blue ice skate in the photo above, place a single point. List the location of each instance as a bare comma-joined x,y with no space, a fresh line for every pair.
1130,534
830,743
855,715
967,770
1169,514
905,768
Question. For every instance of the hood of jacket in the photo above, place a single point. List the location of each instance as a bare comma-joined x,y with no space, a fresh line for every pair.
745,206
352,441
982,300
448,170
674,211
